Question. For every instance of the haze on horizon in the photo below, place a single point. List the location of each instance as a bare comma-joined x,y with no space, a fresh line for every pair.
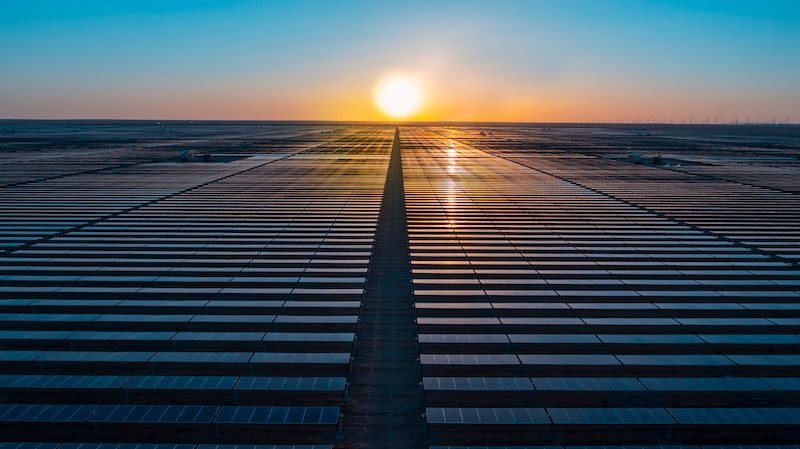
474,60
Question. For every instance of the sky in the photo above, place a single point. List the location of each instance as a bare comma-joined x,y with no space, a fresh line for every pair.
527,61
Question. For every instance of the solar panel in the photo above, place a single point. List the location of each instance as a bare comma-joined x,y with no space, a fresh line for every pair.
46,412
19,356
703,384
291,383
439,415
782,383
300,357
463,338
468,359
553,338
568,359
182,382
219,336
650,338
121,335
587,384
61,381
766,359
477,384
732,416
202,357
277,415
34,335
94,356
155,413
674,359
310,336
609,416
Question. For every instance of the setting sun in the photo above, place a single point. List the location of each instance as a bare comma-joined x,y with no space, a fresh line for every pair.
398,96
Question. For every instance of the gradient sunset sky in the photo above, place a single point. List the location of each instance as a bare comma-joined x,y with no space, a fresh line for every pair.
484,61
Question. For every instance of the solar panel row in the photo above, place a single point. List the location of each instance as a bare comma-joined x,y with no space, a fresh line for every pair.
611,415
612,383
172,382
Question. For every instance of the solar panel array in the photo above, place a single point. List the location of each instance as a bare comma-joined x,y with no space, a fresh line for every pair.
189,302
565,298
44,150
573,287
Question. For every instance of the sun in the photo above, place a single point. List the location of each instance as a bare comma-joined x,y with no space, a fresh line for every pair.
398,96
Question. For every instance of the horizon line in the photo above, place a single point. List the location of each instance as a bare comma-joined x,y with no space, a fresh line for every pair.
395,123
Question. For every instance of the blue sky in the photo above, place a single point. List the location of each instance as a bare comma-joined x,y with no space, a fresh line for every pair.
487,60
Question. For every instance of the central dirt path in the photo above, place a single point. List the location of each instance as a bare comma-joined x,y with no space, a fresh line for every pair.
385,400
